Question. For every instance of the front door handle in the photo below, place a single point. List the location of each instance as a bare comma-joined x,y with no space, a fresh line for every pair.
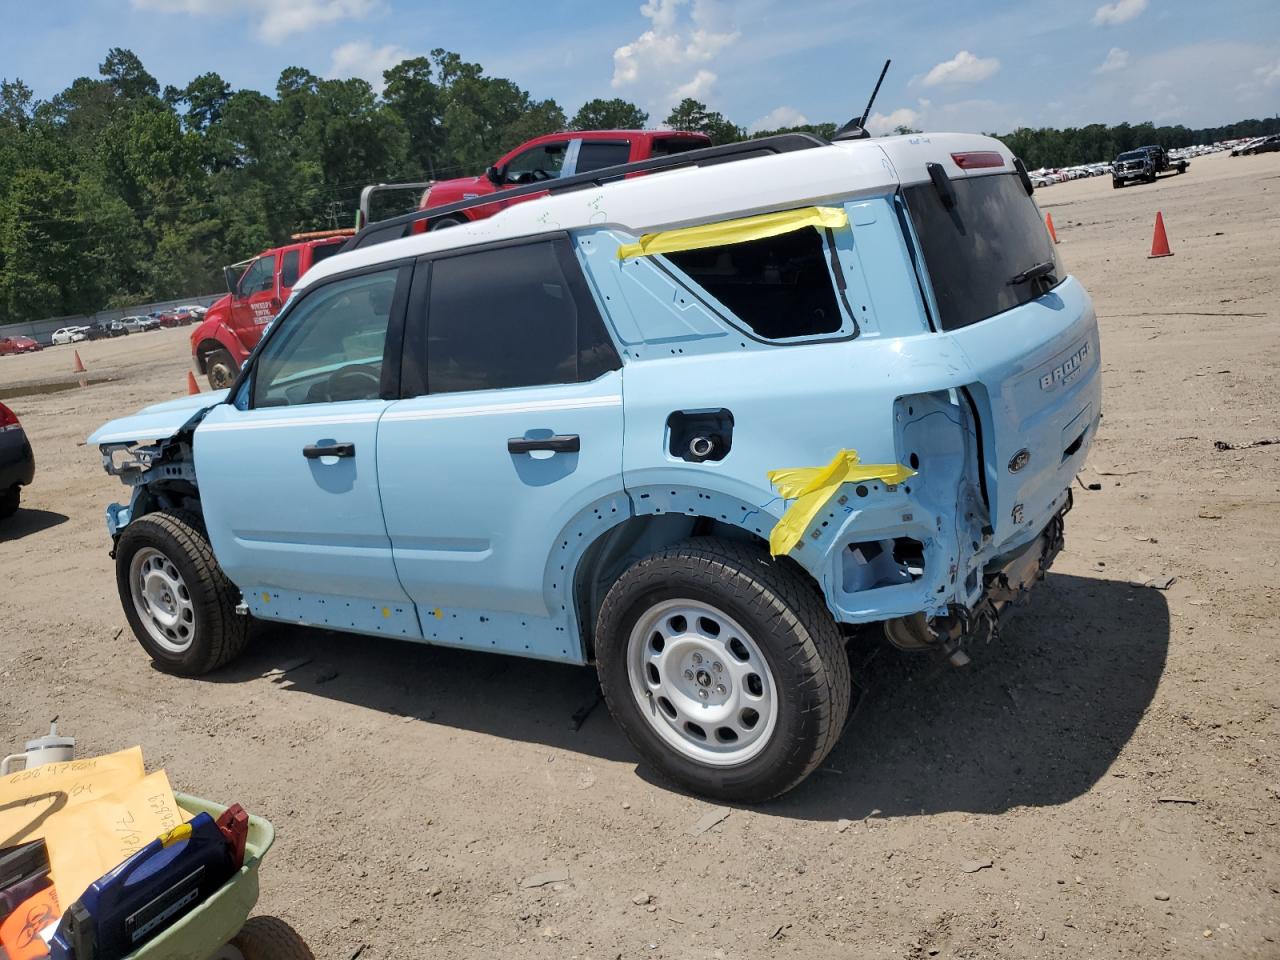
314,451
560,443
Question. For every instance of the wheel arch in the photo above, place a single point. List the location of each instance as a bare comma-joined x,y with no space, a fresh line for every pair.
659,517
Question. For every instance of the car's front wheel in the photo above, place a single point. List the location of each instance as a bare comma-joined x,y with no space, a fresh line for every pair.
9,501
724,668
179,603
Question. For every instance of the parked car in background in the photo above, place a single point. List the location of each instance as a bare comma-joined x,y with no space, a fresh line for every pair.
1269,144
10,345
140,324
69,335
17,463
104,329
195,310
485,438
551,157
176,318
255,291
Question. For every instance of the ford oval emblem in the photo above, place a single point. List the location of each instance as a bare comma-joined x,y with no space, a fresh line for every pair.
1019,460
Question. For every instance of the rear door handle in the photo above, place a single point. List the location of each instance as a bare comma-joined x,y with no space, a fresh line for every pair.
314,451
560,443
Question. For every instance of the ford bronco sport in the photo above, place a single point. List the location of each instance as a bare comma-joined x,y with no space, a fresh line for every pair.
701,429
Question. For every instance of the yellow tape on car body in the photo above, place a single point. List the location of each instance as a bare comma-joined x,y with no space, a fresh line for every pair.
812,487
735,231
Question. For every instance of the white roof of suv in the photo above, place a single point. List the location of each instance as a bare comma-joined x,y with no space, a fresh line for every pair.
690,195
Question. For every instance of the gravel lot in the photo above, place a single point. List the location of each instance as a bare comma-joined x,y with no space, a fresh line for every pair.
1103,782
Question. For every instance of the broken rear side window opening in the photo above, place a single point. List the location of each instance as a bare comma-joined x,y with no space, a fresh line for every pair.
779,287
988,253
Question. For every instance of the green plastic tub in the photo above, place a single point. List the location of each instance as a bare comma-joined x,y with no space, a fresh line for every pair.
203,931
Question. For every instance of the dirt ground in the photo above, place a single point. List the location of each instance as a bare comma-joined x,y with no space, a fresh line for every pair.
1113,758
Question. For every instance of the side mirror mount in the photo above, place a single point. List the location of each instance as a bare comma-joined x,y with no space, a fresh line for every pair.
494,175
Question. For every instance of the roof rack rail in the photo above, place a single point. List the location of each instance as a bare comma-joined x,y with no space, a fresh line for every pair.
394,228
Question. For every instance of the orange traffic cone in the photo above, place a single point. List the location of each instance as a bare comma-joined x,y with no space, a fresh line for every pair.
78,366
192,386
1159,242
1048,222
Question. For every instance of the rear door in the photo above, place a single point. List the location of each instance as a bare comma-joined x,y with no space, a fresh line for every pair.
289,474
510,426
1028,330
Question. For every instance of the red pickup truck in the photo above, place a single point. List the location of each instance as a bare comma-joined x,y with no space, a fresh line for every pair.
257,289
550,157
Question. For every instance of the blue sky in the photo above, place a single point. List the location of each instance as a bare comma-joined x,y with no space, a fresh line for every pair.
974,65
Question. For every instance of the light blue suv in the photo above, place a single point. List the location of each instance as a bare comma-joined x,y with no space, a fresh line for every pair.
702,428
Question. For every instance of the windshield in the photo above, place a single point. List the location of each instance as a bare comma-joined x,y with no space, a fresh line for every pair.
989,253
1133,155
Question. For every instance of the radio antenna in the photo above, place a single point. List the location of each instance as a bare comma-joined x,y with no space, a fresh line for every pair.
856,129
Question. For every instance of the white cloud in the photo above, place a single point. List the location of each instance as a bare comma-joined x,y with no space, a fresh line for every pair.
777,118
1122,11
1269,74
964,67
1117,59
276,20
664,63
362,59
878,124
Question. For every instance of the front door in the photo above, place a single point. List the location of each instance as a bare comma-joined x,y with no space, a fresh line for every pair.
511,428
257,297
289,473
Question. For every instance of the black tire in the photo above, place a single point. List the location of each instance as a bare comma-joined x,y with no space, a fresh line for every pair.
270,938
1117,184
221,368
9,501
786,618
445,222
218,633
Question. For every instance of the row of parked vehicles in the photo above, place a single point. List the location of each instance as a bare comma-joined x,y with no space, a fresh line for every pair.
105,329
532,422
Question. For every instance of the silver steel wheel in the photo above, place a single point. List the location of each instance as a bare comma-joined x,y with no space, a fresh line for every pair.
702,682
162,600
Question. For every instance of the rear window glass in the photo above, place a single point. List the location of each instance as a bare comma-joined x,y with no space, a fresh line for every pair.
598,154
508,317
978,252
667,146
324,251
779,287
289,269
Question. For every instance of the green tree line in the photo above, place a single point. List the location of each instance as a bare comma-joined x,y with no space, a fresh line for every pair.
117,191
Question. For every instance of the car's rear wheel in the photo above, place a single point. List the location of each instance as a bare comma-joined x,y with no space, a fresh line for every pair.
179,603
724,668
9,501
221,369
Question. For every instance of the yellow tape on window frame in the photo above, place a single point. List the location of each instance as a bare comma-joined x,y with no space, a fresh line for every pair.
735,231
812,487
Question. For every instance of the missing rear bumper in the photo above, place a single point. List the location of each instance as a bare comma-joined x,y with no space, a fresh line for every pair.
1007,583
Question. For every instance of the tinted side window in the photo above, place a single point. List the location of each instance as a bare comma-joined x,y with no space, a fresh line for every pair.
779,286
323,251
671,145
289,269
976,250
512,317
259,277
330,345
597,154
